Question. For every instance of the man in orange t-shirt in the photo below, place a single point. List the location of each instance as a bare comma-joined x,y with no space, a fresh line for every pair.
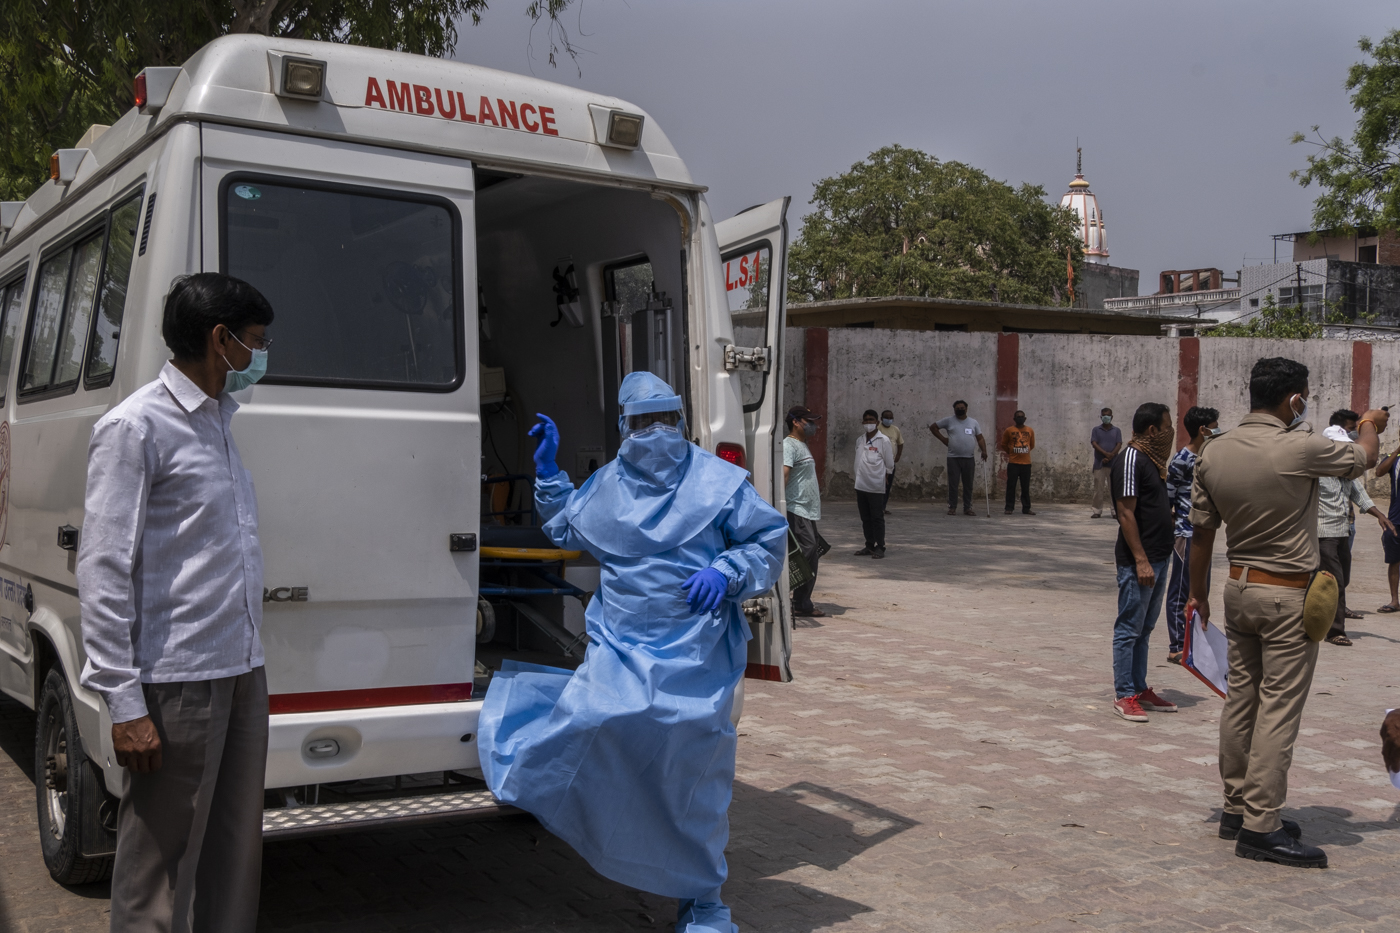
1017,442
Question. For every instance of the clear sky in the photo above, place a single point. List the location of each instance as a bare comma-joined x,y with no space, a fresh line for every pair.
1184,109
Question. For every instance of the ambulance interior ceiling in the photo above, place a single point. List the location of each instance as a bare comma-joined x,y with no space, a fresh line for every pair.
529,229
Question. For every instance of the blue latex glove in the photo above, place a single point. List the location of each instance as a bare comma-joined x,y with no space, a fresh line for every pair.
705,590
548,446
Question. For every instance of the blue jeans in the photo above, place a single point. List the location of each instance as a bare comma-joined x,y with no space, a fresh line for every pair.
1138,608
1178,592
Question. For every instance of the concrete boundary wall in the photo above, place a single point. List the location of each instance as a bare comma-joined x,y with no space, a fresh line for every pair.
1061,381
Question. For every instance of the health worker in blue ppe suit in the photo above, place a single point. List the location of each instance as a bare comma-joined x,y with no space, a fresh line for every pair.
630,759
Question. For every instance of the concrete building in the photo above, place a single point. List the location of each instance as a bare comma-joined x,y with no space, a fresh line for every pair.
1185,293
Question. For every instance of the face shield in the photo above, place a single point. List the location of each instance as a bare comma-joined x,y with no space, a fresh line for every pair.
652,421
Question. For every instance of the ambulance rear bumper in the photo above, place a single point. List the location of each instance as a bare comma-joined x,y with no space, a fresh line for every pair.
350,745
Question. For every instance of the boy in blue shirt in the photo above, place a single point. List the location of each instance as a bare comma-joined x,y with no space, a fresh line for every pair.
1201,425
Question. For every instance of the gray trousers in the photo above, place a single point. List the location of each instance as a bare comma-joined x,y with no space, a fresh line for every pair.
189,836
805,531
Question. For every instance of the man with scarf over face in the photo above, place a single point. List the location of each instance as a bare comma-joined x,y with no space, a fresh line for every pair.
1142,553
630,759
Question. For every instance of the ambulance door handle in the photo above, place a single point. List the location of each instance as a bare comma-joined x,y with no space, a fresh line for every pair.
68,537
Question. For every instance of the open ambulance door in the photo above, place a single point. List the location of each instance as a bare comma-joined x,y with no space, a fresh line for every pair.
753,248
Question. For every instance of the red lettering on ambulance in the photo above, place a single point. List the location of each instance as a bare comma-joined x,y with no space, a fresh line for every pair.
373,95
743,271
547,121
462,108
729,286
400,96
525,111
485,114
449,111
507,114
424,97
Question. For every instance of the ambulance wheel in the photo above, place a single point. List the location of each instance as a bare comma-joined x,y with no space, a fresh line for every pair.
62,778
485,622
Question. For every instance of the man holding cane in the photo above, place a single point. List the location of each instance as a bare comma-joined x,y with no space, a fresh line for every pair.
1260,481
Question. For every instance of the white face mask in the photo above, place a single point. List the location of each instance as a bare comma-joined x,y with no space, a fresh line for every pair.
867,427
1298,416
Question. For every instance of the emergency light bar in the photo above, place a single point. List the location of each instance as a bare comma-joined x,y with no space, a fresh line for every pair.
296,77
152,88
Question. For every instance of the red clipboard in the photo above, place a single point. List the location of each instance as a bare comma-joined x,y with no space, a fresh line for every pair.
1206,655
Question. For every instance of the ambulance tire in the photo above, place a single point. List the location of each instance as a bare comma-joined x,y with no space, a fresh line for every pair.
485,622
63,779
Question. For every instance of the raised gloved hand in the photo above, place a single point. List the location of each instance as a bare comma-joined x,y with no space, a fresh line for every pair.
705,590
548,447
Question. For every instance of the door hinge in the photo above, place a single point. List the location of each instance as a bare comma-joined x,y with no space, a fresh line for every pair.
758,610
757,359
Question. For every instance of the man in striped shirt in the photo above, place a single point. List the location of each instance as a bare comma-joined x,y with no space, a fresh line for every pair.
1143,550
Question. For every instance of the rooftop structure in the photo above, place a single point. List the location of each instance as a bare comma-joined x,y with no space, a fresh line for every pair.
1086,206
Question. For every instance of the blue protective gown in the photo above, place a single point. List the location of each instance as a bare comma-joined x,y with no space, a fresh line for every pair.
630,759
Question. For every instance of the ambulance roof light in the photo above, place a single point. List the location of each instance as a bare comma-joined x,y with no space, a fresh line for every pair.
152,88
297,77
63,165
625,130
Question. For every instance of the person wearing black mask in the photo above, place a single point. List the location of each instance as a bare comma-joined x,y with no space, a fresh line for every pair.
1017,442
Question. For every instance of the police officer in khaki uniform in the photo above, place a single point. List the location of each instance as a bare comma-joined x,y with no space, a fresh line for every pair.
1260,480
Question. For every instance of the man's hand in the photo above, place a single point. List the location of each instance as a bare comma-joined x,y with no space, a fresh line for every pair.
1390,741
1385,524
1202,609
1145,574
1379,416
137,745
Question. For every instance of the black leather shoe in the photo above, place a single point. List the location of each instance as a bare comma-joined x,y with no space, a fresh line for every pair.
1232,823
1280,847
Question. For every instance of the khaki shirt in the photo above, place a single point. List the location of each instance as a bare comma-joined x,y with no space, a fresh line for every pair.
1261,480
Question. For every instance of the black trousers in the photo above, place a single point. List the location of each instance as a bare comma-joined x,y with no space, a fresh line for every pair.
808,540
960,470
1018,473
889,481
1336,560
872,517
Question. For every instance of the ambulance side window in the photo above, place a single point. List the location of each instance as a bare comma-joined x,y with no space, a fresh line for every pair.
11,308
111,300
62,307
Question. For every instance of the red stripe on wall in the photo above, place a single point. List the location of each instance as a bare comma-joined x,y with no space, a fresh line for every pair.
814,393
1360,376
1008,385
764,671
1188,378
327,700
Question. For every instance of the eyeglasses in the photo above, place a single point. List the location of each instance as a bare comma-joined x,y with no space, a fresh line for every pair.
258,343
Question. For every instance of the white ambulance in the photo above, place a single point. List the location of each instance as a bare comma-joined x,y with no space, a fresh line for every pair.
448,250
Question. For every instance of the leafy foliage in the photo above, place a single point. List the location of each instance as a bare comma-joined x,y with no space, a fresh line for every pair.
903,223
1360,180
1287,322
66,64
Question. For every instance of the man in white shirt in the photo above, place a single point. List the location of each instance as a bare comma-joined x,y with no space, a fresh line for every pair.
874,459
170,579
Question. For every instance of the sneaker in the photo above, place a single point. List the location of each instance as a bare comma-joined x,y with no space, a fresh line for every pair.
879,554
865,552
1128,708
1153,703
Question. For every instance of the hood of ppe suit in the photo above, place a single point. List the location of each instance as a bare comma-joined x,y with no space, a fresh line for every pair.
660,491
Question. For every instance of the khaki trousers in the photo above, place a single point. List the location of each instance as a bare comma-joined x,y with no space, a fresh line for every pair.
189,836
1101,487
1271,669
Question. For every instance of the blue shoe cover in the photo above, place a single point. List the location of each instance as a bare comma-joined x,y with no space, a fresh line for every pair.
706,914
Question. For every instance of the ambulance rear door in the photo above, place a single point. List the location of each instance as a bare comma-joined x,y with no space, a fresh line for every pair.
363,439
753,249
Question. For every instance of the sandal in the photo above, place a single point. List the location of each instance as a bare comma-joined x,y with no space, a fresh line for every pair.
952,511
1340,640
1388,607
1175,657
1353,614
969,512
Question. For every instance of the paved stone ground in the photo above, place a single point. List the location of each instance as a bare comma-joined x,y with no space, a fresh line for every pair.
945,761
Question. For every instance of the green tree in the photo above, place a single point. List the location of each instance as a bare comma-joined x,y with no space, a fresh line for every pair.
66,64
1287,322
1360,180
903,223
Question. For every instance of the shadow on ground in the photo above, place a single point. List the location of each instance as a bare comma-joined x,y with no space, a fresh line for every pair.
510,874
